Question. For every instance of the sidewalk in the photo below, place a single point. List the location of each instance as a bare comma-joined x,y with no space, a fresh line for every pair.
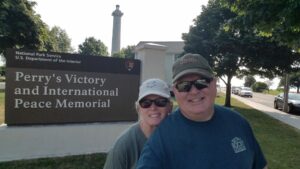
289,119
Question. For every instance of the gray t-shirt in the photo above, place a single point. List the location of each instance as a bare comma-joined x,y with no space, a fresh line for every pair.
127,149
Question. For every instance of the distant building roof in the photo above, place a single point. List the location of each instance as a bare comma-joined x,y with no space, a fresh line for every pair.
151,45
173,46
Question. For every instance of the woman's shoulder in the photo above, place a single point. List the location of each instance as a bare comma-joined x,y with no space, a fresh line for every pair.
127,137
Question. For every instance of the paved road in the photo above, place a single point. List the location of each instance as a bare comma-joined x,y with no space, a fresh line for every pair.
265,104
265,99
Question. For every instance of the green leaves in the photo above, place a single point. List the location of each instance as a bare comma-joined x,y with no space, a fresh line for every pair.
59,41
92,46
18,25
278,19
228,35
22,28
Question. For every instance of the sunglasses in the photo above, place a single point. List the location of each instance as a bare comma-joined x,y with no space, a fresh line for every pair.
160,102
185,86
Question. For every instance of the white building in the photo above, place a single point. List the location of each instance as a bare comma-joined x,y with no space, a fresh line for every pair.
157,58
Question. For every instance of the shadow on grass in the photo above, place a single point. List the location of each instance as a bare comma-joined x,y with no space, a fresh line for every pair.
91,161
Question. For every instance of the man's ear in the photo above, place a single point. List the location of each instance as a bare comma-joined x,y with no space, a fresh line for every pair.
214,81
173,88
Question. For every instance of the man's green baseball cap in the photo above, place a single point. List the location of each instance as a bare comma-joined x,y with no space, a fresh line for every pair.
191,64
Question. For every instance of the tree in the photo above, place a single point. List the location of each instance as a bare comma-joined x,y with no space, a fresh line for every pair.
249,81
234,51
276,19
92,46
207,38
127,52
20,26
59,41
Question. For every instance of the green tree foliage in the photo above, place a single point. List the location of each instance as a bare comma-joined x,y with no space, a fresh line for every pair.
278,19
2,70
92,46
270,59
118,55
234,51
58,41
20,26
221,48
295,80
259,87
127,52
249,81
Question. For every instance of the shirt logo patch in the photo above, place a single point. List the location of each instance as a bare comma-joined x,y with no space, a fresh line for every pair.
238,145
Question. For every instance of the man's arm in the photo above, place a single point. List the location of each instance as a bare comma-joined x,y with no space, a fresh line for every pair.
149,159
115,160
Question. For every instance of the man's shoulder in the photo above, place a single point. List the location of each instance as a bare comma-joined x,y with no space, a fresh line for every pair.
229,114
170,121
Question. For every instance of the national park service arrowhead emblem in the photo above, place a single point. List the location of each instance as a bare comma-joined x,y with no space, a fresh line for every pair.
129,64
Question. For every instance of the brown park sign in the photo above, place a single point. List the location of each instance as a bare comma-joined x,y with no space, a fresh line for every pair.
56,88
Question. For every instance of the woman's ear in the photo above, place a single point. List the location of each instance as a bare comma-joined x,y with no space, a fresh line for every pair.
137,107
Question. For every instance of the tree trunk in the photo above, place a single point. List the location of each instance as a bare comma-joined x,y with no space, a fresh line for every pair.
286,93
228,92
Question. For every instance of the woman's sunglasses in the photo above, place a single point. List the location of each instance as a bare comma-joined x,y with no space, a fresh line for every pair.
160,102
185,86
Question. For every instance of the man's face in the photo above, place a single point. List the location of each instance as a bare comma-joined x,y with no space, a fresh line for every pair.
196,104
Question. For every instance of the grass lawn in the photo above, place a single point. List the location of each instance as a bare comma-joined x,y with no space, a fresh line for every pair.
273,92
279,142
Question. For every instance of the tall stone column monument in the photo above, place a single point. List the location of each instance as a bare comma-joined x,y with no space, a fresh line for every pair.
116,36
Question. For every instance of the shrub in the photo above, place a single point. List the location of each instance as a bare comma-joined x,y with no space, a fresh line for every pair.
259,87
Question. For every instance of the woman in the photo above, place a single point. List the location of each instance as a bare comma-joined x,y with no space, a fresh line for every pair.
153,105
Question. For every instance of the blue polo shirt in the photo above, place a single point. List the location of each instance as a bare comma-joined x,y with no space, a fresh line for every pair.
226,141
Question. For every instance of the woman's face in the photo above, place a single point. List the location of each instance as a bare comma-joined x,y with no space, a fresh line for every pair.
153,115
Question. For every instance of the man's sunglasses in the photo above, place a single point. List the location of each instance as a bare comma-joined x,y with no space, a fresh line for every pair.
160,102
185,86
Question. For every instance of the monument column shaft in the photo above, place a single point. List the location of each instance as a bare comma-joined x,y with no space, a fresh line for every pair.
116,36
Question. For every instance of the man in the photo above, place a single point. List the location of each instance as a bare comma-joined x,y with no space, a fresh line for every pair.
153,105
200,134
